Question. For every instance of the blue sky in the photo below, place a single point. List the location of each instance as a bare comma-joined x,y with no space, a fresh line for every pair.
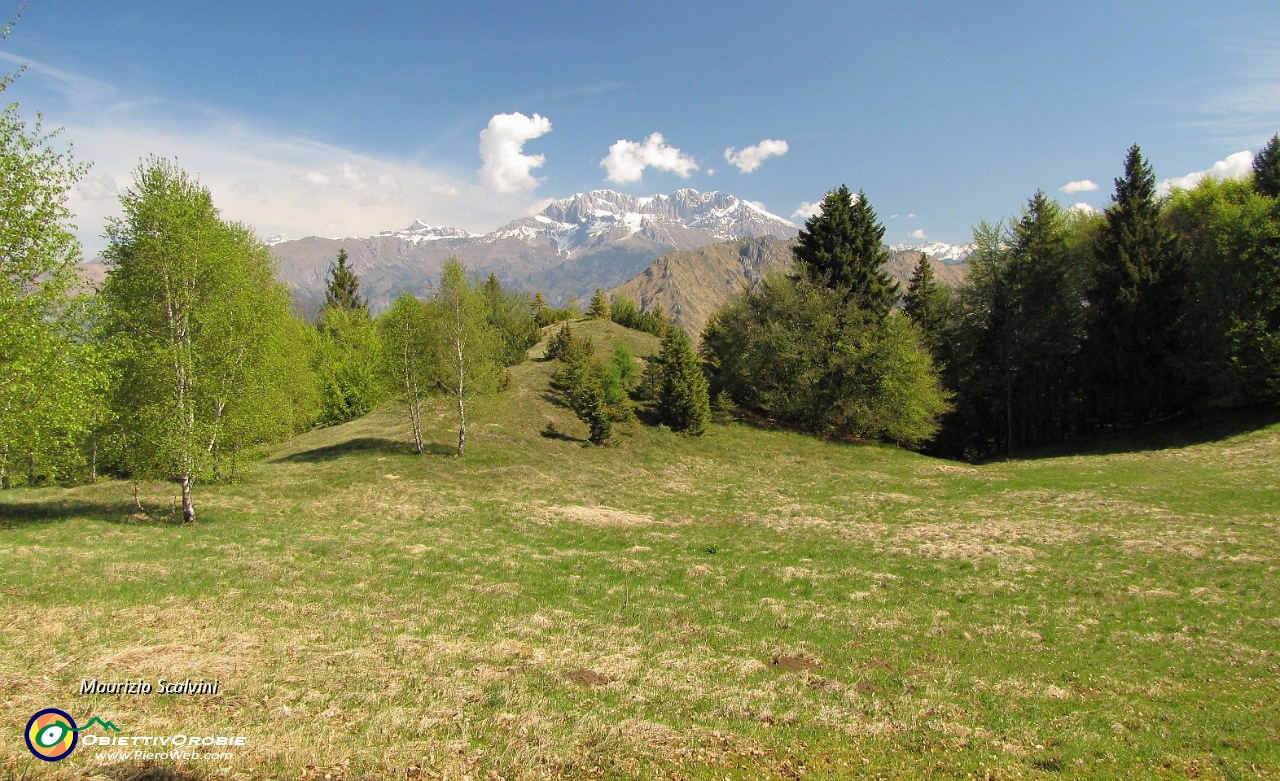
340,119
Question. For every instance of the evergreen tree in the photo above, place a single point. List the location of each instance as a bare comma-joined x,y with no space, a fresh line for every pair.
683,401
926,303
623,311
1014,346
566,346
596,391
1266,168
841,248
537,304
599,308
510,315
342,287
1133,304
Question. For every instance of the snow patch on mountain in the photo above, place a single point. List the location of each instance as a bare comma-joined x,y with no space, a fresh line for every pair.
420,231
940,251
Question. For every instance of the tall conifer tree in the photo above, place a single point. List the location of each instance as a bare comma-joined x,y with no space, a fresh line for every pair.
599,308
1133,303
683,400
925,301
342,288
841,248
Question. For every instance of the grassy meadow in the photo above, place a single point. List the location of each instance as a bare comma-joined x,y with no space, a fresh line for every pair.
752,604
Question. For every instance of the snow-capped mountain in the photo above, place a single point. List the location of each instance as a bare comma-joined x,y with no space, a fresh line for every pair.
940,251
574,245
419,232
686,217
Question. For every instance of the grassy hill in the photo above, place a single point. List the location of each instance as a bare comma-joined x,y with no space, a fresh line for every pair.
750,604
692,285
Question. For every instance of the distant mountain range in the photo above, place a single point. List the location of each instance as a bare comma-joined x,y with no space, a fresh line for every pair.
691,285
574,245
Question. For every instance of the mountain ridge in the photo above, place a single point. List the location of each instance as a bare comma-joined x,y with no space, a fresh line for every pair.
598,238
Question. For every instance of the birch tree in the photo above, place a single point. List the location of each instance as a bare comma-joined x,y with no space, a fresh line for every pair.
192,311
408,360
468,349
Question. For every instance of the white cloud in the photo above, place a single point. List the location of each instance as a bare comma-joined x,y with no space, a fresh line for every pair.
101,187
893,216
273,180
918,234
806,210
911,214
537,206
506,169
750,158
1082,207
1081,186
1235,166
628,159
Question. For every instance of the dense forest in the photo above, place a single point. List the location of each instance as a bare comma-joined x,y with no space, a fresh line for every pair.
189,356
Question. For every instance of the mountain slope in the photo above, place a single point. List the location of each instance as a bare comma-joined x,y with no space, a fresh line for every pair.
574,245
691,285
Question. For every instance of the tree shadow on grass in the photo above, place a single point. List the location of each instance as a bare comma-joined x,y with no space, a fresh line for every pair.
1180,432
439,449
17,514
352,447
555,399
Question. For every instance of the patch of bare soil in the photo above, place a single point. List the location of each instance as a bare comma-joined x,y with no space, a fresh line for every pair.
589,677
794,663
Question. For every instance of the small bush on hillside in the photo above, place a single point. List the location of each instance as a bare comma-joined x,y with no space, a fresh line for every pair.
596,391
565,346
624,312
599,308
723,409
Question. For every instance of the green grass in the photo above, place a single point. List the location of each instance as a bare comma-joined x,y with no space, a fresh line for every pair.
371,613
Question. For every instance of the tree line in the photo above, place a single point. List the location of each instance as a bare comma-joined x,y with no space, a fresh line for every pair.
1067,322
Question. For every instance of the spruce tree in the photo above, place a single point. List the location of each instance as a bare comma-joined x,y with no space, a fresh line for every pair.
599,308
342,287
1266,168
1133,303
925,301
683,400
841,248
